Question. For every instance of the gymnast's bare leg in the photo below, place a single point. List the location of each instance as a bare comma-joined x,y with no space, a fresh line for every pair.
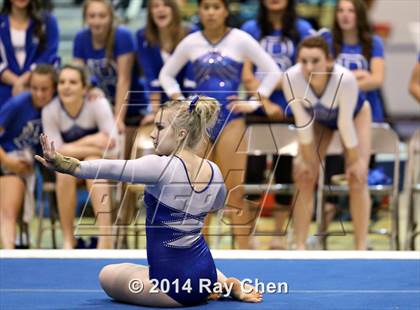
115,280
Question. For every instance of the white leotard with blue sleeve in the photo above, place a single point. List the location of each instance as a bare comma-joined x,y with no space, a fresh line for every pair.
335,108
94,116
218,69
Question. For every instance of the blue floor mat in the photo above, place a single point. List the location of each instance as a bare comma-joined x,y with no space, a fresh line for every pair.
312,284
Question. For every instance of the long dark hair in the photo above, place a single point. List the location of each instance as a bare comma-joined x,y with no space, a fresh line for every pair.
110,40
178,32
288,21
47,5
364,31
34,10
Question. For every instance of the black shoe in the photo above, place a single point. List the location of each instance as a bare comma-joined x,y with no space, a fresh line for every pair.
80,244
93,243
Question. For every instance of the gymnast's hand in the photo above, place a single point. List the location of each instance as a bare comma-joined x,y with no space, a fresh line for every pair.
237,105
48,151
361,74
17,165
95,93
273,111
54,160
18,87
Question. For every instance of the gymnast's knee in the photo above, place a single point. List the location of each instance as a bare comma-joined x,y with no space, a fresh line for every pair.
357,185
106,276
304,184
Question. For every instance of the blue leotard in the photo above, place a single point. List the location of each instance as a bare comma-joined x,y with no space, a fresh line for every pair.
218,69
175,212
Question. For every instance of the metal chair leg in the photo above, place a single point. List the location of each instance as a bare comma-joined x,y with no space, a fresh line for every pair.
53,218
40,221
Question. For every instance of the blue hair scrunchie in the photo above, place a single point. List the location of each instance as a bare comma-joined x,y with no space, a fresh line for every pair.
193,103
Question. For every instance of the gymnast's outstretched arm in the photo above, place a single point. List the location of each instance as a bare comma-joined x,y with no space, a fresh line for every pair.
147,169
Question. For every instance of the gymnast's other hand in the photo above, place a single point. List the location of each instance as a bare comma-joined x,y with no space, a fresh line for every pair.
95,93
237,105
273,111
18,87
16,165
361,74
54,160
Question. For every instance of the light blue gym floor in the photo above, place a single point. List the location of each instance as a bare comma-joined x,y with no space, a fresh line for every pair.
312,284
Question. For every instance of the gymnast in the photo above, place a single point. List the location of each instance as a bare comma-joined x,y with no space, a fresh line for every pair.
217,54
324,97
181,188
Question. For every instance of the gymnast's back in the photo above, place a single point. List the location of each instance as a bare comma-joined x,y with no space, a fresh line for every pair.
175,211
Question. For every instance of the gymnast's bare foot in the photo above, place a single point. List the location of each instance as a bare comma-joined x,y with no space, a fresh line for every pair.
247,294
214,296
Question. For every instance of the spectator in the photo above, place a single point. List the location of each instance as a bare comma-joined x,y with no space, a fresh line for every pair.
20,126
155,43
108,52
20,21
357,49
279,31
82,129
322,103
217,63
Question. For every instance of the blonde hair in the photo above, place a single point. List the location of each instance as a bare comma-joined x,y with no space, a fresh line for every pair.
196,117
